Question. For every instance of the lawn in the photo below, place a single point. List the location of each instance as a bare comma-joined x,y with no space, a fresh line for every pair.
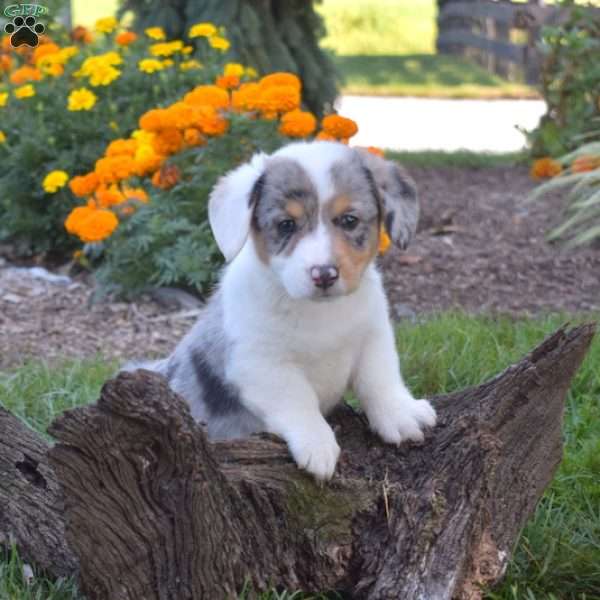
558,555
384,47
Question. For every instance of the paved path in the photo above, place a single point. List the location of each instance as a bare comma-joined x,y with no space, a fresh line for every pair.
431,124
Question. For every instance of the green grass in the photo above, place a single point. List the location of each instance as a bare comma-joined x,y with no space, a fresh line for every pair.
387,48
558,555
463,159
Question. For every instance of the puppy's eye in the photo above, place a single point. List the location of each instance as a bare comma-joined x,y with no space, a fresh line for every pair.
286,227
347,222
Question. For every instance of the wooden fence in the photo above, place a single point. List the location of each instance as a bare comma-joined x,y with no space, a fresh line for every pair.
501,35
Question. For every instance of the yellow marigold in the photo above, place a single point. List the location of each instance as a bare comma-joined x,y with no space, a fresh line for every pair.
54,181
252,73
384,241
112,169
193,137
92,63
209,95
53,69
146,160
281,79
25,91
583,164
187,50
233,70
106,24
125,38
2,137
107,196
121,147
65,54
219,43
188,65
81,99
3,98
545,167
104,75
166,48
202,30
168,62
155,33
150,65
168,141
44,50
97,226
24,74
246,97
297,123
227,82
339,127
84,185
281,98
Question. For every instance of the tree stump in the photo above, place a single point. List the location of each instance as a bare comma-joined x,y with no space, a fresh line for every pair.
155,511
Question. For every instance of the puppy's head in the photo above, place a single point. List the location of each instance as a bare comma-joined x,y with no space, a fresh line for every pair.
313,212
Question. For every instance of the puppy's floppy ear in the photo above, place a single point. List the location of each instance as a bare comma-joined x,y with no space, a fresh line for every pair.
398,194
231,203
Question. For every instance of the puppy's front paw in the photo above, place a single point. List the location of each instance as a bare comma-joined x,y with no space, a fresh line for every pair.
404,420
316,451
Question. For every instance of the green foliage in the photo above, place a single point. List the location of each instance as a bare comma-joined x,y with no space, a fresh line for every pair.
570,83
558,554
279,37
168,241
581,223
43,135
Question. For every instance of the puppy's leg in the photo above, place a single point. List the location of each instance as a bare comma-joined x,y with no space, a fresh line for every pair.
392,411
286,402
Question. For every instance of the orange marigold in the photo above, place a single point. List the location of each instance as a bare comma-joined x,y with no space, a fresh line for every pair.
246,97
339,127
583,164
376,151
154,120
168,141
281,98
44,50
281,79
325,137
545,167
112,169
97,226
166,177
210,122
84,185
5,63
25,74
82,34
297,123
107,196
182,115
209,95
193,137
227,82
125,38
121,147
138,194
76,217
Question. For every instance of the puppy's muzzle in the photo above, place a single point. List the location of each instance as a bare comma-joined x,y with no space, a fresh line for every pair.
324,276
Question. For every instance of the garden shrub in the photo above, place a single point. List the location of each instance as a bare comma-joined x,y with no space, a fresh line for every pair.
570,83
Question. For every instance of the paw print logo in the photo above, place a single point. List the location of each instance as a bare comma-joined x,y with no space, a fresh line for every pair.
24,31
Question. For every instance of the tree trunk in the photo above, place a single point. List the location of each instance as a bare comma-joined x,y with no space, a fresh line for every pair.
155,511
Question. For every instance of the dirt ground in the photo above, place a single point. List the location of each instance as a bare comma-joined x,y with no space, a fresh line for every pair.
478,248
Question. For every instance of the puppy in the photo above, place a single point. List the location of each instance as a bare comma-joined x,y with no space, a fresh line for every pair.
300,314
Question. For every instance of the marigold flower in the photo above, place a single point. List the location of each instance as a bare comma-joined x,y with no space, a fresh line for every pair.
339,127
44,50
106,24
375,150
104,75
582,164
168,141
3,98
246,97
52,69
125,38
227,81
2,137
97,225
155,33
150,65
193,137
76,217
166,177
188,65
84,185
233,69
181,115
211,122
219,43
81,99
166,48
138,194
202,30
24,74
5,63
281,98
54,181
154,119
210,95
384,241
325,137
25,91
280,79
297,123
121,147
146,160
111,169
82,34
545,167
168,62
107,196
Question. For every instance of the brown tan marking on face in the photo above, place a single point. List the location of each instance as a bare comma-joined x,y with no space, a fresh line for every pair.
338,205
295,209
352,260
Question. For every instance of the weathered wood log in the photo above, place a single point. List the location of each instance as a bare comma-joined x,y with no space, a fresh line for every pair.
156,511
31,508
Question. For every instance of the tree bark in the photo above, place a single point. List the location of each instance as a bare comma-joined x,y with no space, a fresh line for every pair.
155,511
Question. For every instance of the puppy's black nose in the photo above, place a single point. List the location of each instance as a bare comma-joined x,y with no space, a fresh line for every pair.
324,276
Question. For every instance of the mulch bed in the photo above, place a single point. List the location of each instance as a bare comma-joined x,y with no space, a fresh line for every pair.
478,249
